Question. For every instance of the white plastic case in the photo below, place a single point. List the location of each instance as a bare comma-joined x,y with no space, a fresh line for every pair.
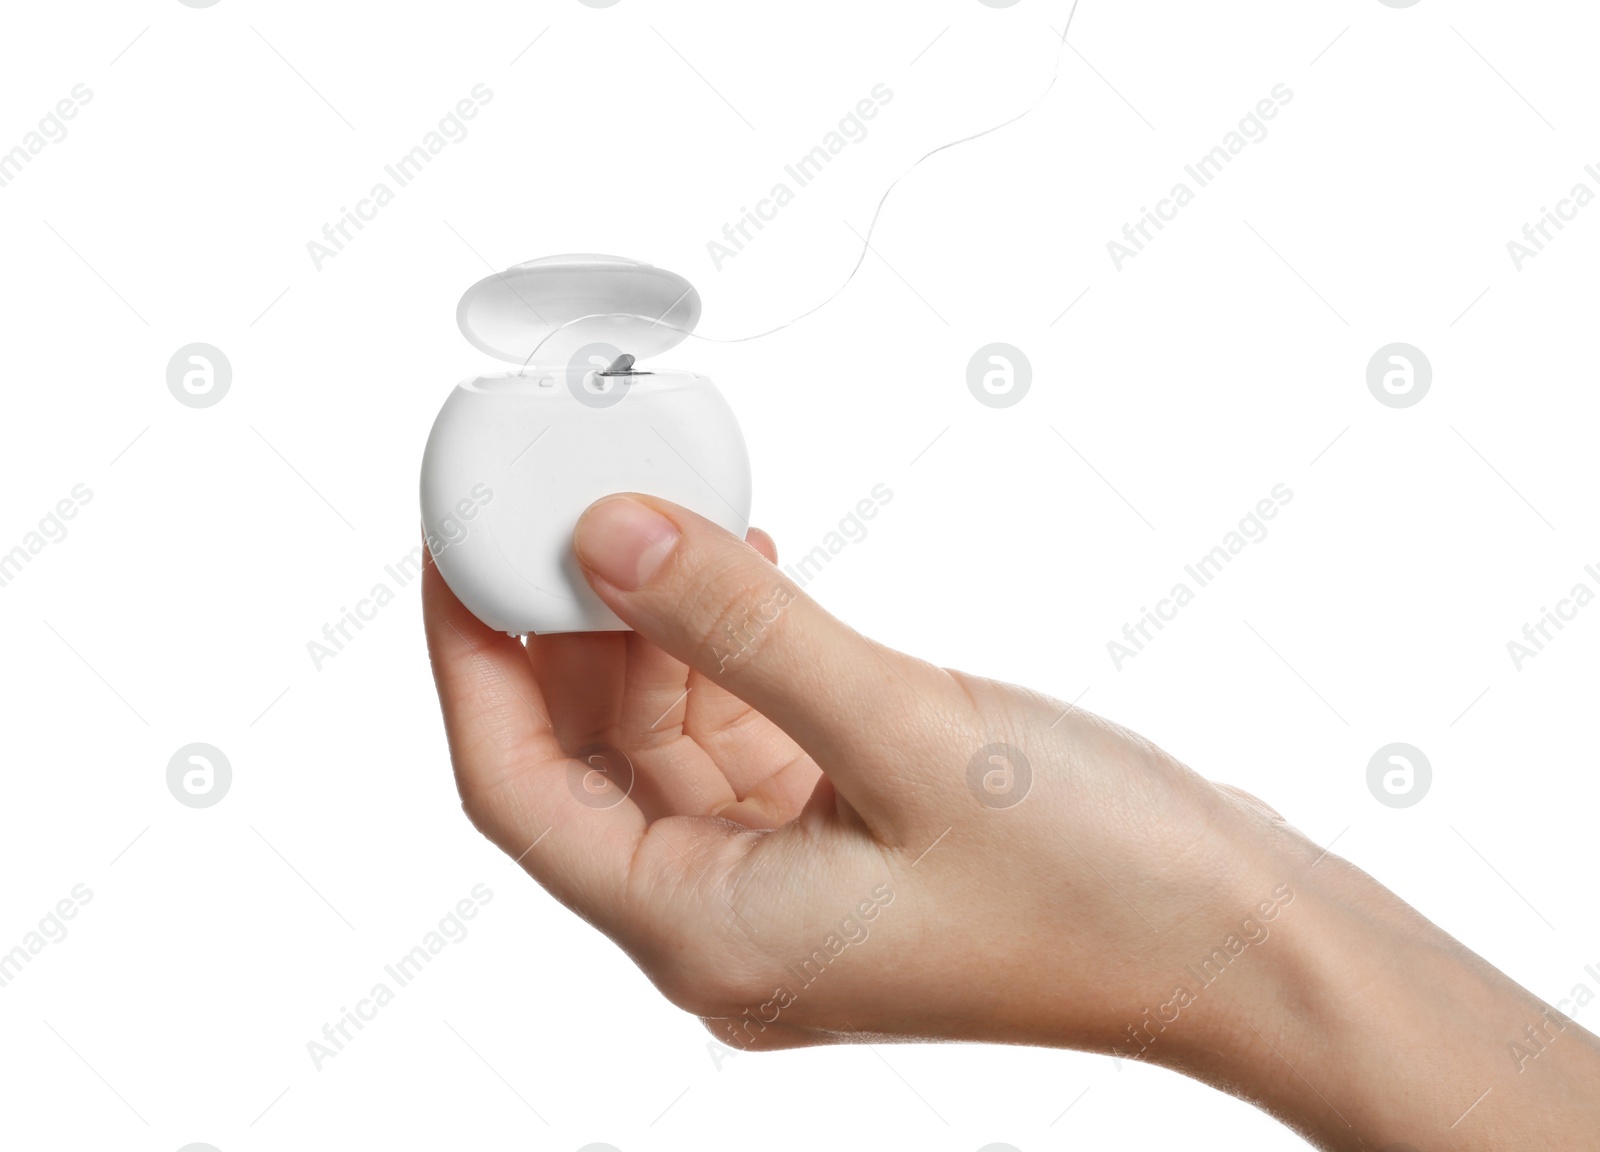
515,457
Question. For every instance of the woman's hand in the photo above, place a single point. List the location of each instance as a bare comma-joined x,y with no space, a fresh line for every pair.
805,837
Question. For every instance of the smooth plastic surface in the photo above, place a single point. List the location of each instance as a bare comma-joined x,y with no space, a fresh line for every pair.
515,457
512,463
508,314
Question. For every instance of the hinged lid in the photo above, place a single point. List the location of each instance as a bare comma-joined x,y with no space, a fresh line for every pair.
509,313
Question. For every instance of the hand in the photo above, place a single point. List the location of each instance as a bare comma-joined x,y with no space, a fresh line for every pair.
794,781
805,837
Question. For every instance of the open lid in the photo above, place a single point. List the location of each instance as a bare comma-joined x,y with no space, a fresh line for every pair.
509,313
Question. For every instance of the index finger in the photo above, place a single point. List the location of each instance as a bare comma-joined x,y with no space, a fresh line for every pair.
516,783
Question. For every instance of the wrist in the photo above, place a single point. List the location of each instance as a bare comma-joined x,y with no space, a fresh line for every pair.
1364,1025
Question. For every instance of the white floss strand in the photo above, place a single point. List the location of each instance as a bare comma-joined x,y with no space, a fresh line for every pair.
866,245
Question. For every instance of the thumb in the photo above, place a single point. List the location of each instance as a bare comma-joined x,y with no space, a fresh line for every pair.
718,605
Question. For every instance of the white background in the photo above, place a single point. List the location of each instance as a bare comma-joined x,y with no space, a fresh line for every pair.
1229,357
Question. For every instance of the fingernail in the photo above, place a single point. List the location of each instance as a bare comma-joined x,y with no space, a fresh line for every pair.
624,542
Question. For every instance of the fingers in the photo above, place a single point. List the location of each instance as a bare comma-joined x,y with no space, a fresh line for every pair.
676,776
581,676
718,605
763,544
552,814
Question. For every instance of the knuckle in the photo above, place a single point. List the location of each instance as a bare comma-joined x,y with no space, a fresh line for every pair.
707,973
709,986
741,1035
480,811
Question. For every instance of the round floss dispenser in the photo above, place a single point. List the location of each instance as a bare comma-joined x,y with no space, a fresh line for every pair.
515,457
